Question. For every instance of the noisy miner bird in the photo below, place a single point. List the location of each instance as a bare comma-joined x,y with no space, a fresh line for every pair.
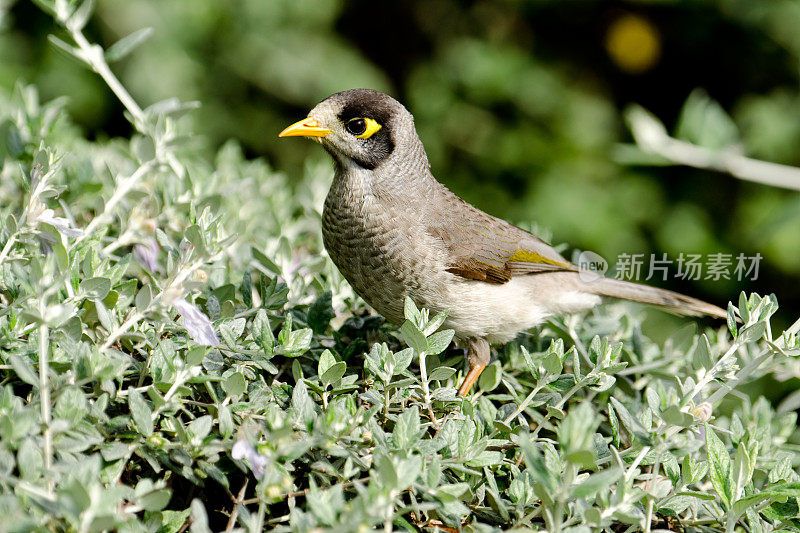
394,231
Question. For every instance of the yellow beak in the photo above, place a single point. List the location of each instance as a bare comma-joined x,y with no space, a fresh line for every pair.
308,127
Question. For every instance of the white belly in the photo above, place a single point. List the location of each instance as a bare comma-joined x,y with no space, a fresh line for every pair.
500,312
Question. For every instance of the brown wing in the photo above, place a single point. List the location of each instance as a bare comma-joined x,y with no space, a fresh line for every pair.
488,249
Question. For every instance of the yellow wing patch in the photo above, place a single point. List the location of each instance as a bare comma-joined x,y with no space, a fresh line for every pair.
526,256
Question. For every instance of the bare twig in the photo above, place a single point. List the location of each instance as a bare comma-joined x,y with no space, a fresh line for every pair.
651,136
94,57
44,396
236,503
123,188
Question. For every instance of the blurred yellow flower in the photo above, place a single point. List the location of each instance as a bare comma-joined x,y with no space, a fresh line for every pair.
633,43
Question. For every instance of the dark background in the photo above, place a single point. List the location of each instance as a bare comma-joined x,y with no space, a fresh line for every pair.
520,104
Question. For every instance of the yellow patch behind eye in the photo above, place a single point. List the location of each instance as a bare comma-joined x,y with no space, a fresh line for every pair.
372,127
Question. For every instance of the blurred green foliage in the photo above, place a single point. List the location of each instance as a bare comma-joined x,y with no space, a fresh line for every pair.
519,104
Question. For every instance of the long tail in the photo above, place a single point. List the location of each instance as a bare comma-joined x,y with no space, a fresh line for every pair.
671,301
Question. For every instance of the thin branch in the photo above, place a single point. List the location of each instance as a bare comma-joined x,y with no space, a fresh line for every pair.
44,398
651,136
123,188
93,55
237,502
7,248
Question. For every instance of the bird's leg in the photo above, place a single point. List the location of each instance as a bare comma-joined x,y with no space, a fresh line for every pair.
478,356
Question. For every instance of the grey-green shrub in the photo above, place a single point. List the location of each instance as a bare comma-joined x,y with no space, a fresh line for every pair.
178,351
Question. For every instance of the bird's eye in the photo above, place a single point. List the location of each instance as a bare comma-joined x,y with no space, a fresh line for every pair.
362,128
356,126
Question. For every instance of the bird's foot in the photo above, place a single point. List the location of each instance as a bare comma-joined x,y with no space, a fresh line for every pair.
470,379
479,356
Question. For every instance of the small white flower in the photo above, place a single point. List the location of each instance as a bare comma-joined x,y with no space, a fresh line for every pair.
148,254
241,449
62,224
197,324
257,462
703,412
